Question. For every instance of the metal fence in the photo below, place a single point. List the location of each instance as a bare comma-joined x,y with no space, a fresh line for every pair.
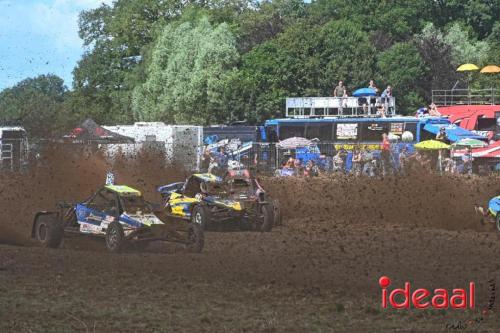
466,97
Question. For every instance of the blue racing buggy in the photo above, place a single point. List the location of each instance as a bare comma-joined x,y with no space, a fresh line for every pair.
121,216
493,211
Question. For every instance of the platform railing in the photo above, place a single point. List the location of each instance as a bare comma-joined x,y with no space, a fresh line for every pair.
489,96
314,107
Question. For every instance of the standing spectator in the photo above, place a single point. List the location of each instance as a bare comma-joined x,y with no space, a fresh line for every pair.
297,165
356,161
385,154
338,163
387,92
373,86
403,159
373,100
386,96
340,92
467,160
222,158
205,160
368,165
311,169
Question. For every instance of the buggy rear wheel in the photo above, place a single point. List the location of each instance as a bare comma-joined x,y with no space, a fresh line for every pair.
115,237
48,231
277,217
267,218
196,238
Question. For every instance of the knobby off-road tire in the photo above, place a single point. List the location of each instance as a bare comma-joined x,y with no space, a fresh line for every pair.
267,218
277,218
497,221
115,237
201,217
196,237
48,231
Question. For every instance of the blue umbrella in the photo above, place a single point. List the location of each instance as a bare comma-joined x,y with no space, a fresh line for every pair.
364,92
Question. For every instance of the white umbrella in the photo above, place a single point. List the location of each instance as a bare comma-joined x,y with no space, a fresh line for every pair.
294,143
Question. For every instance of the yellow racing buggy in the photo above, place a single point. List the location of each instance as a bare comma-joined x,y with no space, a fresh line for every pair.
217,203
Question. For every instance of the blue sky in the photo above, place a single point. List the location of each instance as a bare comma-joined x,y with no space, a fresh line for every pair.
40,37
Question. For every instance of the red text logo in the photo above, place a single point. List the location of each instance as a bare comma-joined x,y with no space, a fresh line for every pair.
401,298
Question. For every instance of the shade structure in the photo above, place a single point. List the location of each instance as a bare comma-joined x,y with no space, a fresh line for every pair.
364,92
467,68
472,143
431,145
490,69
294,143
491,151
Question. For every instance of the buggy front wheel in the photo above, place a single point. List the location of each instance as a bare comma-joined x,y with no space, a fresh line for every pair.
115,237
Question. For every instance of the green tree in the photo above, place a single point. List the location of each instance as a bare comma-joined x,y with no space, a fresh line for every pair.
463,48
402,67
37,104
304,61
186,78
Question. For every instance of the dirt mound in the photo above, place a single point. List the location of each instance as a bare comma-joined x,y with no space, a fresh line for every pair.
433,201
72,173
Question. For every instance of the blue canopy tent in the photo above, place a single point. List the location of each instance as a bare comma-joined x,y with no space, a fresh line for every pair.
453,132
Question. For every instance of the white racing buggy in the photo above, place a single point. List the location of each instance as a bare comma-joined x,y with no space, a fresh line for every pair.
121,216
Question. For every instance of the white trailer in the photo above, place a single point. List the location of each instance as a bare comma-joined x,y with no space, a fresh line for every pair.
180,143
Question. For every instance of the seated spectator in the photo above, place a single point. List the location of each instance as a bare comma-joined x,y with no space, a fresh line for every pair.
364,103
442,136
433,111
381,110
422,112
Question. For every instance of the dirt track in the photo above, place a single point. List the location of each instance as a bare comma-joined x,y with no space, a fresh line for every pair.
318,272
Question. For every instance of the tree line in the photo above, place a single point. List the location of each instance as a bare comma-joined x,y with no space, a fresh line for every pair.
217,61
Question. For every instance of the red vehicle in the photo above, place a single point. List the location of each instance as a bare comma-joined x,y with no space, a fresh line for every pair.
480,119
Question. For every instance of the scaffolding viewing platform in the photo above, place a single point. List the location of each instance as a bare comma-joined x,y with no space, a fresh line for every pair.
489,96
317,107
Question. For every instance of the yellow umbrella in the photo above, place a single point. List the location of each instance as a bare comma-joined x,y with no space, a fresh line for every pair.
490,69
467,68
431,145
